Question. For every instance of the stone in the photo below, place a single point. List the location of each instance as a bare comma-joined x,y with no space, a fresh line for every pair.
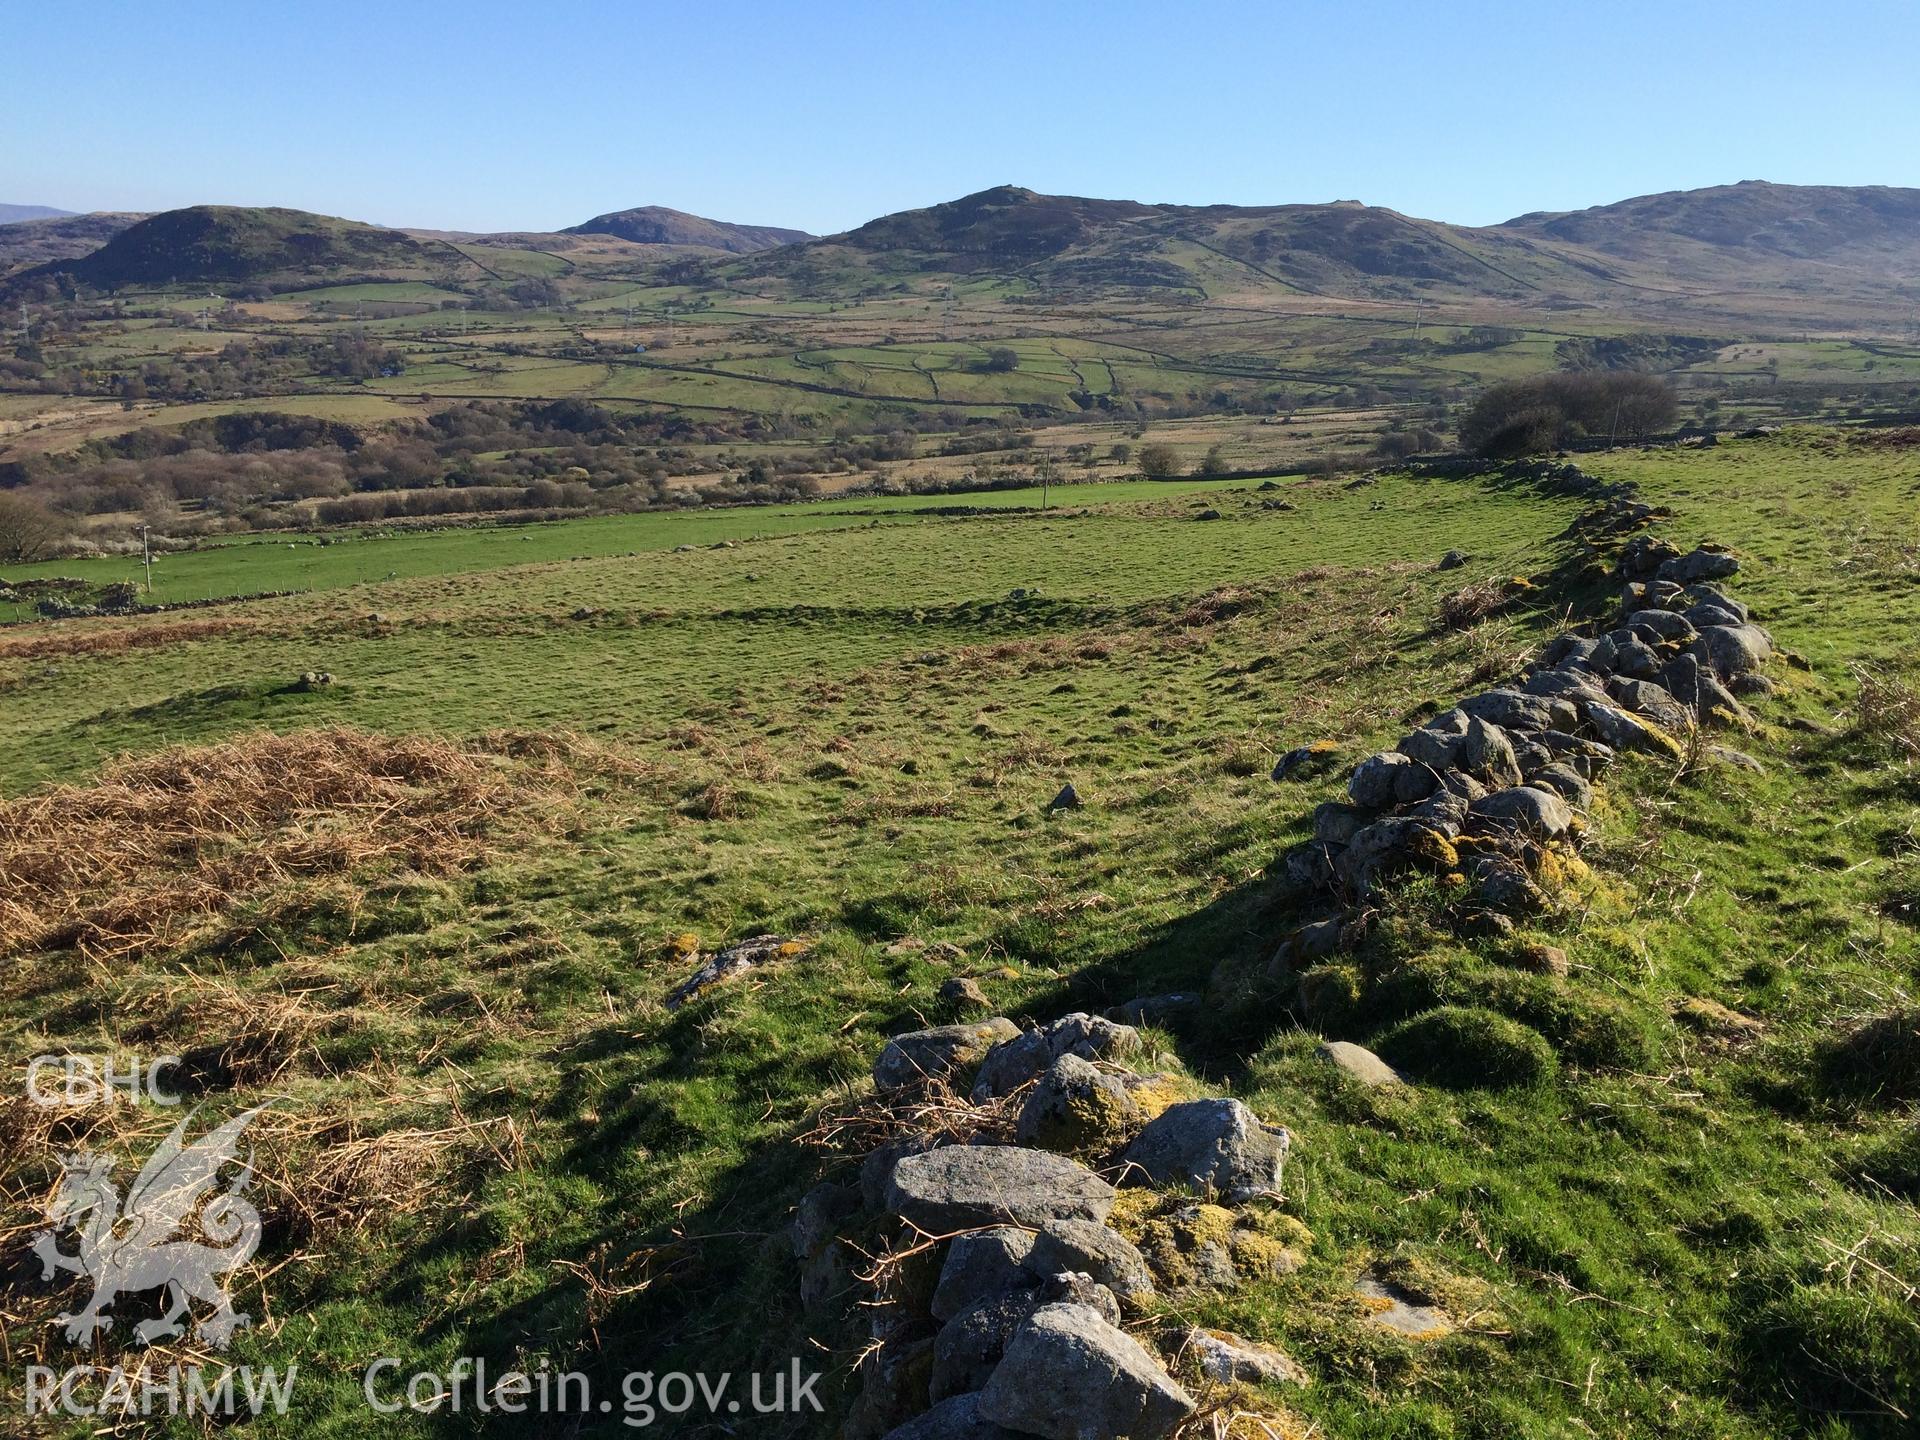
1444,812
980,1265
1374,782
825,1277
816,1219
1069,1375
1733,649
1358,1062
1452,560
1336,824
1565,650
1620,731
1630,656
1486,754
1077,1106
1707,615
1643,555
732,963
969,1187
1074,1287
1701,564
1566,684
943,1054
893,1388
1315,942
1435,742
1661,625
1391,1308
1516,710
1228,1359
1218,1147
1506,889
955,1418
1584,755
1081,1247
1527,809
961,993
969,1346
1025,1055
1703,594
1752,685
1389,844
1305,761
1566,782
1696,686
1067,799
877,1169
1652,702
1738,759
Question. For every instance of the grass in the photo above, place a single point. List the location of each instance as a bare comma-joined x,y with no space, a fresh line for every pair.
253,565
1678,1233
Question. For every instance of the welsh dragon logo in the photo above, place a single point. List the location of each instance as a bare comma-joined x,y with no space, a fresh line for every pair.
126,1249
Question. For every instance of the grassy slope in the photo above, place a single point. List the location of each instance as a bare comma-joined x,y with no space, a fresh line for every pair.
854,746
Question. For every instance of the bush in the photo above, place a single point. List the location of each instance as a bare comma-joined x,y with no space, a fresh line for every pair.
1467,1047
1159,462
1528,417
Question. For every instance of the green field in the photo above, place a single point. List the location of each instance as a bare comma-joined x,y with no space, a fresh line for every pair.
846,727
255,565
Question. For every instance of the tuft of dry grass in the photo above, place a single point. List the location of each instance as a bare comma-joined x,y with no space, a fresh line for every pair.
1472,604
1888,710
134,862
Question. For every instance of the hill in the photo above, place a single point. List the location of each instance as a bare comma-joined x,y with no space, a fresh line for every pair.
14,214
657,225
63,237
1846,242
1864,226
224,244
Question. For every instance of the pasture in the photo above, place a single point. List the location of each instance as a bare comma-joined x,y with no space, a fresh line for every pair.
845,726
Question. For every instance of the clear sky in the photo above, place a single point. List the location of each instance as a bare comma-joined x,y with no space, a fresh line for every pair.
820,114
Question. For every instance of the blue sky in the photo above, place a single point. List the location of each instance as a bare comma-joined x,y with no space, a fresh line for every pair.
820,115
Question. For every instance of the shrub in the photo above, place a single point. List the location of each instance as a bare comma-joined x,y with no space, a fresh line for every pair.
1527,417
1159,462
1467,1047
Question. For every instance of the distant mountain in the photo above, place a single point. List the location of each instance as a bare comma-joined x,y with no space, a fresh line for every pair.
657,225
1753,239
225,244
67,237
1070,243
14,214
1875,228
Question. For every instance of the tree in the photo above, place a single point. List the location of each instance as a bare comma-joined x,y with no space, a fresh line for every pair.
28,530
1159,461
1214,462
1527,417
1001,359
